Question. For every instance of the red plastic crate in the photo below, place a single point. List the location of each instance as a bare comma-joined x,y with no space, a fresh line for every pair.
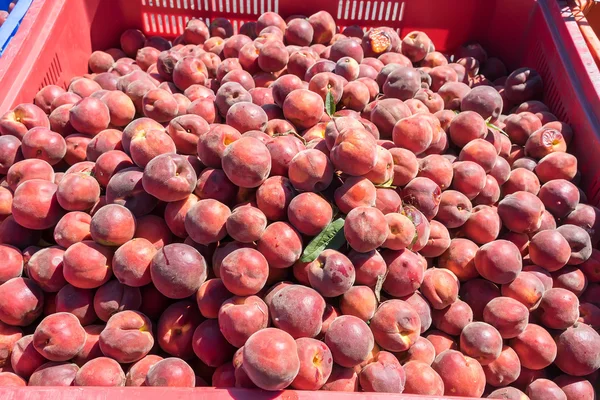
537,33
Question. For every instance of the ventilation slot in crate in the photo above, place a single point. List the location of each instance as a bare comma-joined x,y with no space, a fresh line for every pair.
52,77
552,95
366,11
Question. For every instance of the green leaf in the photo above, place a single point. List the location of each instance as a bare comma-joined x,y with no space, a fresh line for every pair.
490,125
332,237
329,103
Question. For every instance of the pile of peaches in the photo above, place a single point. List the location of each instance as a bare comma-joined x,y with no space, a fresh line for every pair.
296,207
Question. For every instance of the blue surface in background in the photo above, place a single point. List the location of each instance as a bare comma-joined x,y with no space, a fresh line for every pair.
9,29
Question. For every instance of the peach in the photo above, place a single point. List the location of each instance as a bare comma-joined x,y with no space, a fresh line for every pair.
366,229
87,265
259,352
453,319
421,224
484,100
498,261
422,307
76,148
341,379
440,287
13,263
545,141
403,317
303,108
575,350
59,337
441,341
523,84
527,288
331,274
9,335
509,392
535,347
368,267
467,126
78,302
274,196
386,113
121,108
214,184
176,328
560,197
178,270
108,164
469,178
421,351
504,370
43,144
281,245
112,225
559,308
188,71
303,320
240,317
78,192
477,293
146,146
550,250
545,389
125,188
22,301
521,212
54,374
246,224
89,116
25,359
414,133
521,126
209,344
205,221
579,241
586,217
508,315
138,371
172,372
402,232
387,200
131,41
570,278
91,348
452,94
575,387
159,105
195,32
211,296
355,192
421,379
45,268
153,229
169,177
244,271
437,168
349,340
21,119
481,341
283,149
44,98
35,204
247,162
114,297
461,375
309,213
556,165
84,87
11,152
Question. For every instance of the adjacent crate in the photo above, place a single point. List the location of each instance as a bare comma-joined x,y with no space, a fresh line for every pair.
542,34
10,27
